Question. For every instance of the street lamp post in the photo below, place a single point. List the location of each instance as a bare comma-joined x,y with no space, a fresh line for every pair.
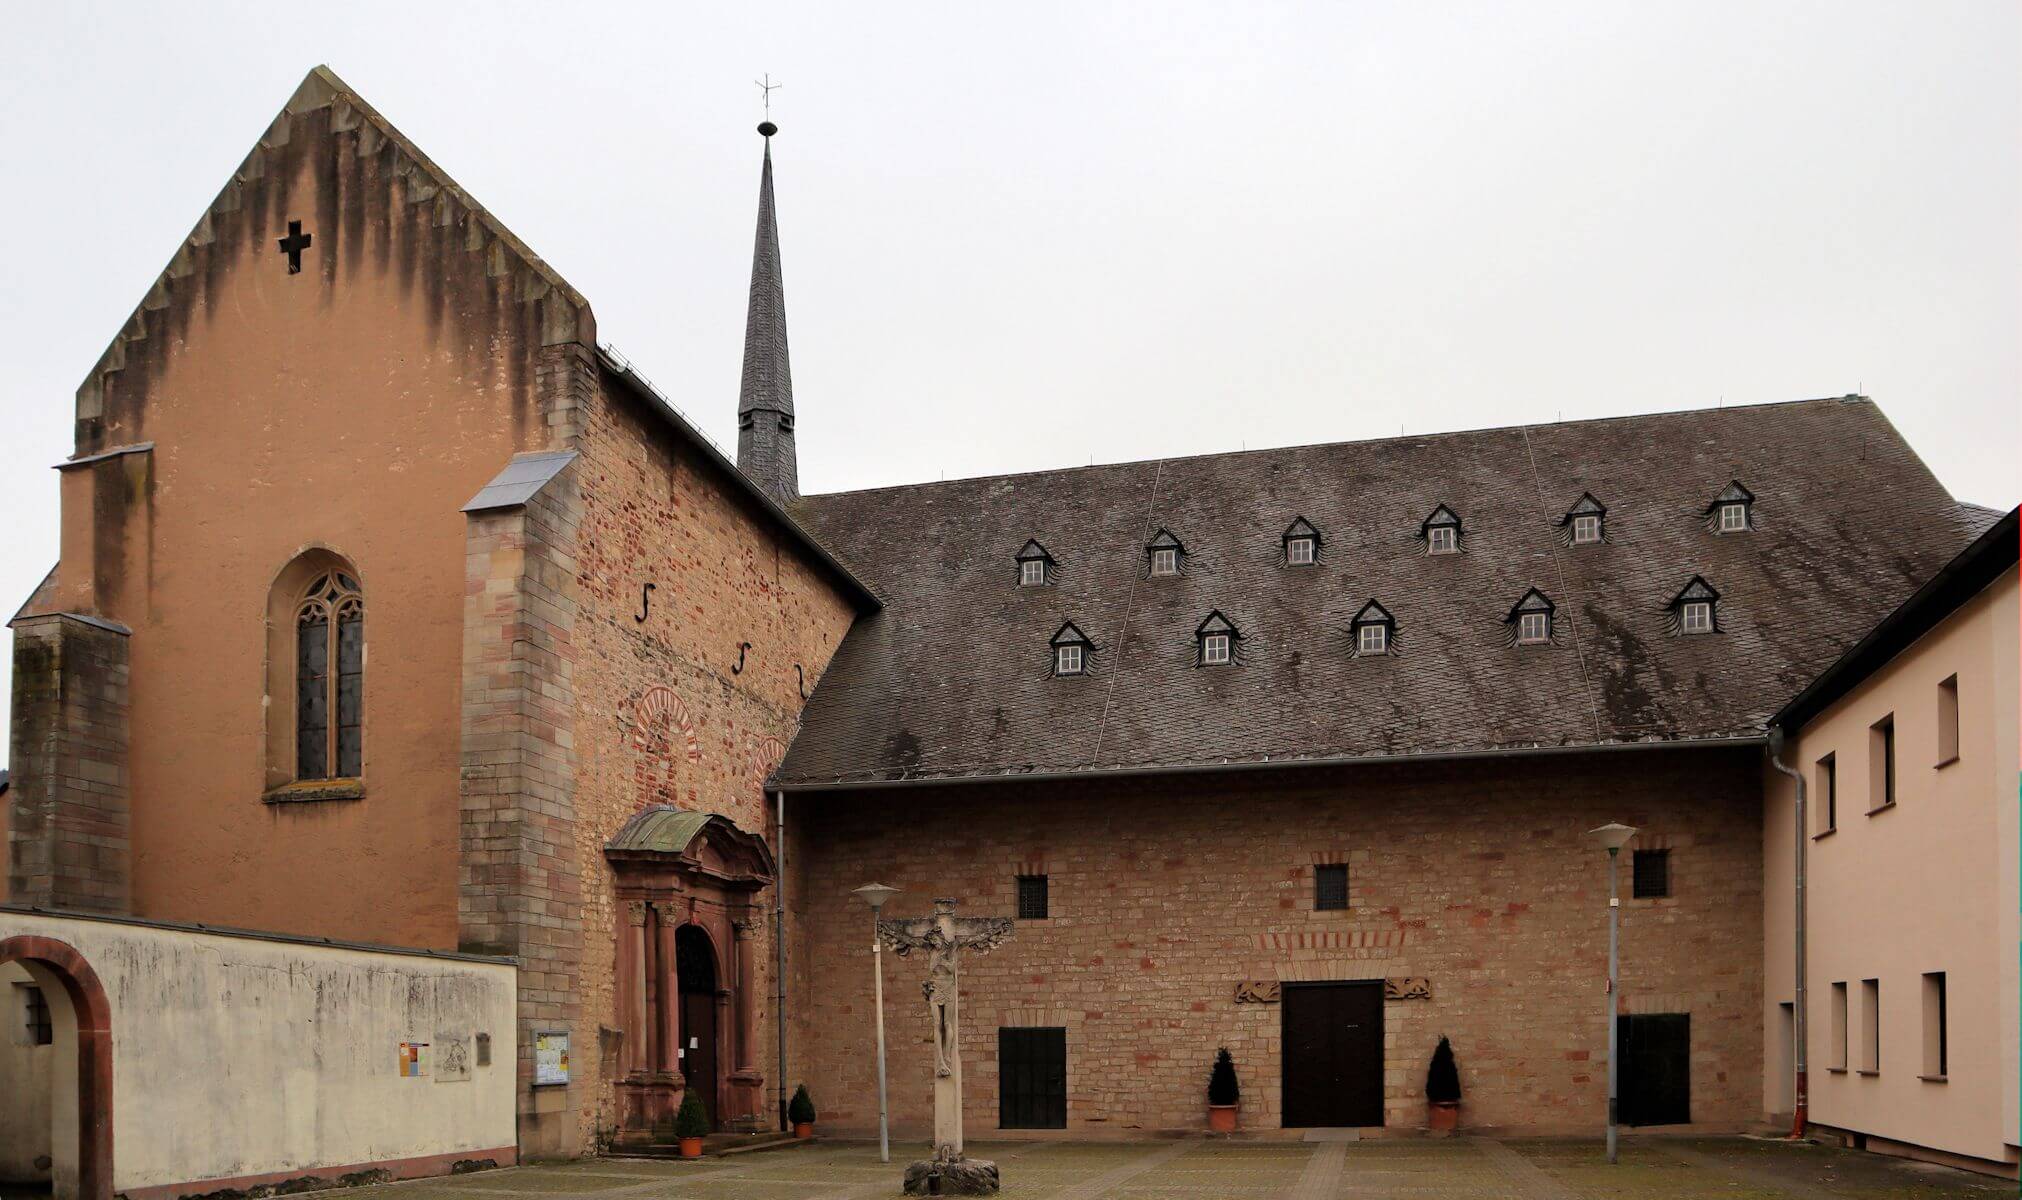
875,895
1613,836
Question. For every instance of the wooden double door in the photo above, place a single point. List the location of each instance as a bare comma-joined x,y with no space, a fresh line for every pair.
1333,1053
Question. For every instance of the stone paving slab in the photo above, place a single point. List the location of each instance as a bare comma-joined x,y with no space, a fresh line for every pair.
1203,1169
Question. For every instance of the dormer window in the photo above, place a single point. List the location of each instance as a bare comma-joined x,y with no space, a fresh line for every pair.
1302,543
1441,531
1216,638
1692,608
1586,522
1372,630
1531,620
1035,565
1732,510
1071,650
1163,553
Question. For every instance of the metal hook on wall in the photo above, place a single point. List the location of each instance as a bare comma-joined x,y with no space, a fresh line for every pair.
645,603
741,648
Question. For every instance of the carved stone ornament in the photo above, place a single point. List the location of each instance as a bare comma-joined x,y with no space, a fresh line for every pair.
1414,987
1259,991
635,912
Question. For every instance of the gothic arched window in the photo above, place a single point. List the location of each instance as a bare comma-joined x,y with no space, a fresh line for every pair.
330,679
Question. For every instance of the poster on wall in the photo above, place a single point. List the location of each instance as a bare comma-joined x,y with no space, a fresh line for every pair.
551,1057
413,1060
452,1057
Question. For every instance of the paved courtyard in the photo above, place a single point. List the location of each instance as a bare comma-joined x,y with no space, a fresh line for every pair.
1670,1169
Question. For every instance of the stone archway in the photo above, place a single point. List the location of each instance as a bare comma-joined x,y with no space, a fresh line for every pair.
680,876
47,958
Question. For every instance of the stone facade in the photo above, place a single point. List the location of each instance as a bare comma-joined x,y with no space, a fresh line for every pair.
69,842
1166,893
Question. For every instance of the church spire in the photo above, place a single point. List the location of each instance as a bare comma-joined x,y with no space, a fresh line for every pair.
765,451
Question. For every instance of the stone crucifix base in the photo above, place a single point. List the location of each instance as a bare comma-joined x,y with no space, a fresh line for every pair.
950,1174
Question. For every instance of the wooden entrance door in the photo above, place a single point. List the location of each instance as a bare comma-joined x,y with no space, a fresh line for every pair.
1032,1078
1655,1082
1333,1053
695,963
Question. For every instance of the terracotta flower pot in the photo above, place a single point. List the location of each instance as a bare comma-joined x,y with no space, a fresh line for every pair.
691,1147
1444,1116
1222,1118
803,1129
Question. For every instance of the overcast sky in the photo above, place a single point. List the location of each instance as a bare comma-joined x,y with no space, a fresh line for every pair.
1021,236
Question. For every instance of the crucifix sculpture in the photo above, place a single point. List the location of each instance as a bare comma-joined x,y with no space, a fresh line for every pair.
944,936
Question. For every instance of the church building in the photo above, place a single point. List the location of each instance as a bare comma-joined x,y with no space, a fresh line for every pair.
394,607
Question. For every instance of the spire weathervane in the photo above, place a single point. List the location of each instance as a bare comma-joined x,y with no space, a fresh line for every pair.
767,87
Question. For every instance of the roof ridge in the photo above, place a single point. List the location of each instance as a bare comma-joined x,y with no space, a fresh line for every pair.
1849,398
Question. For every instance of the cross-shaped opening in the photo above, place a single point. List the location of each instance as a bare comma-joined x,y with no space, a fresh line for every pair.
293,245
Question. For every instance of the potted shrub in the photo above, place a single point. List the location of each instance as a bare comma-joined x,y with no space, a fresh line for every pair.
691,1124
1442,1090
1223,1093
800,1110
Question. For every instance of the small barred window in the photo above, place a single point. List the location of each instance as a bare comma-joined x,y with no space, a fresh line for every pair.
1651,871
1330,887
1032,897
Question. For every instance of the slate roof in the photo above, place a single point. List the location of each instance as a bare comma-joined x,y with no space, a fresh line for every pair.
952,678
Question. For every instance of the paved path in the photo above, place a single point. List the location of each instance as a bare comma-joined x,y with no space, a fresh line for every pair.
1472,1168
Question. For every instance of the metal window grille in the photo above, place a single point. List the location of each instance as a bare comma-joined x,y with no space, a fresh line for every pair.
1652,874
1032,897
40,1031
1299,552
1330,887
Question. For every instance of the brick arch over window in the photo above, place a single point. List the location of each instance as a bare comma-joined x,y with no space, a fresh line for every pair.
316,661
93,1013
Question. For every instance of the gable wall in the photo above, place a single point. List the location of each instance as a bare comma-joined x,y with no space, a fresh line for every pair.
353,406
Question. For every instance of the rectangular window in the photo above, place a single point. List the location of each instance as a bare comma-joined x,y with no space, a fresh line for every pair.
1838,1046
1697,617
1534,627
1215,648
1032,897
1827,799
350,693
1299,552
1948,721
1733,518
1330,887
1651,874
1586,529
1165,562
1871,1026
312,696
1442,539
1882,763
1032,572
40,1031
1372,639
1935,1049
1067,660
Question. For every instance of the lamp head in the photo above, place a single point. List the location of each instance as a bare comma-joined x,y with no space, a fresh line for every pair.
875,895
1613,836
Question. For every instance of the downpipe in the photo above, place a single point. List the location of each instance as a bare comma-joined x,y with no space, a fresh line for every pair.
1801,1092
779,946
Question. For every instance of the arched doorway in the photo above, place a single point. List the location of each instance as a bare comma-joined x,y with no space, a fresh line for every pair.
695,969
80,1087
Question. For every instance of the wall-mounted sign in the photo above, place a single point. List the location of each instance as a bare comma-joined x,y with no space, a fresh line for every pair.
551,1057
413,1060
452,1057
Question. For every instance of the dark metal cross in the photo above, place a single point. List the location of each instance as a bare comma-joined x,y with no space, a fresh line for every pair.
767,86
293,245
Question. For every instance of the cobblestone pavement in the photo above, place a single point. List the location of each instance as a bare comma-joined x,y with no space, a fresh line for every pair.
1376,1169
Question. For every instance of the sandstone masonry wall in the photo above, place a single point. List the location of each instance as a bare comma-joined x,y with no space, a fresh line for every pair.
1166,893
